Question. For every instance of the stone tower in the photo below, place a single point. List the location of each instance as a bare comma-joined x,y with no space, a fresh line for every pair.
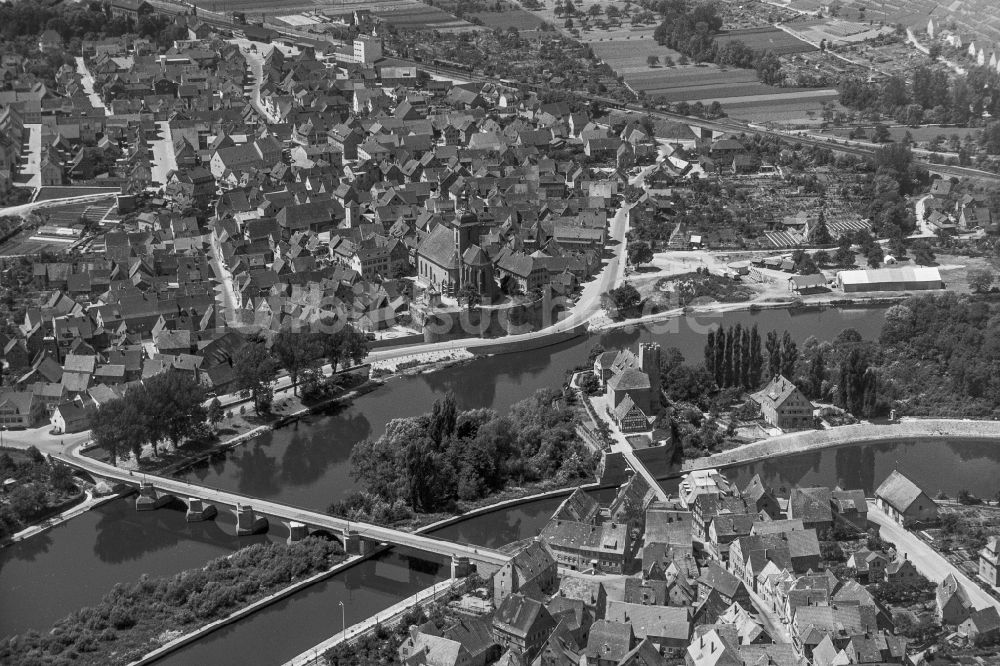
466,230
649,363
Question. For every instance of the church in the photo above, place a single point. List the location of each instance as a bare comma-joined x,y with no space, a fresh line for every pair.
632,383
450,257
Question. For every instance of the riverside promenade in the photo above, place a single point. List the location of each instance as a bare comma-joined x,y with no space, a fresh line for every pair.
388,618
810,440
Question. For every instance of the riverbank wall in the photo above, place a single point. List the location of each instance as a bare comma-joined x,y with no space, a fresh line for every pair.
239,614
793,304
389,619
799,442
530,343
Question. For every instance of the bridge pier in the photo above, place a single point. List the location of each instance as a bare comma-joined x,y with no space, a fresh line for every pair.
297,531
149,499
460,566
198,511
247,522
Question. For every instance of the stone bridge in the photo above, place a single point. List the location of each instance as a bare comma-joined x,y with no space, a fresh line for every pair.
255,515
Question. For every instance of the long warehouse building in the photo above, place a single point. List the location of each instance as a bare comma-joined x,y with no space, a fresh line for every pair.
903,278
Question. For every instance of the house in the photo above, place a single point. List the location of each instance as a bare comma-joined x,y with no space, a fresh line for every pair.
523,624
427,648
15,409
531,571
584,546
851,507
609,642
665,626
713,647
631,375
988,560
902,572
982,626
70,417
869,566
904,501
783,405
953,604
812,506
761,500
730,588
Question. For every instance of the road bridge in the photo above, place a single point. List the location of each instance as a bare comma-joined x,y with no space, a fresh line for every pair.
254,515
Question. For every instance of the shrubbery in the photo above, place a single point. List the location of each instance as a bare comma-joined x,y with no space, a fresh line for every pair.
130,619
39,487
429,462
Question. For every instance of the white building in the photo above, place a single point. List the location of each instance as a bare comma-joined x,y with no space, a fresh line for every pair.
905,278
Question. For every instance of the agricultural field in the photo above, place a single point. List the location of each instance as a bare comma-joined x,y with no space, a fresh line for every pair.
266,7
629,56
788,109
511,17
418,16
777,41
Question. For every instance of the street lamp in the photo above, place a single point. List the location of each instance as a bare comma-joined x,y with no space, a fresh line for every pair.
343,621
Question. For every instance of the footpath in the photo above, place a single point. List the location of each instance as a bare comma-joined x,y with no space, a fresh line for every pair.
810,440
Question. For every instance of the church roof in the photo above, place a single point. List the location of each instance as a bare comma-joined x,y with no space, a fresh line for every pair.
439,248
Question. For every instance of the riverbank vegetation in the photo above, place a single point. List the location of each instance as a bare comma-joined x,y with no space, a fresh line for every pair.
166,406
134,619
429,463
38,489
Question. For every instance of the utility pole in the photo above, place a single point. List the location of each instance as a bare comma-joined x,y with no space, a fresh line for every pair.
343,621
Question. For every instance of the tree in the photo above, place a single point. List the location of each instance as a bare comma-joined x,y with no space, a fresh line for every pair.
255,372
922,253
756,363
39,412
594,10
295,352
470,294
345,344
844,256
881,134
819,233
652,60
625,300
773,347
639,253
980,280
174,401
215,412
789,355
875,255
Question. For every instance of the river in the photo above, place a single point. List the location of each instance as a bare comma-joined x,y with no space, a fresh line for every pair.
308,465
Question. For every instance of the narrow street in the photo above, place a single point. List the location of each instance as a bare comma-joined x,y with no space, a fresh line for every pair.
88,85
164,159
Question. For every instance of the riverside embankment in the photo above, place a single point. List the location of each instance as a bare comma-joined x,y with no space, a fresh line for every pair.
799,442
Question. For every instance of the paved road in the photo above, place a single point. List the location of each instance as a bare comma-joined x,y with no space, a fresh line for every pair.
183,490
927,561
164,159
33,160
88,85
24,209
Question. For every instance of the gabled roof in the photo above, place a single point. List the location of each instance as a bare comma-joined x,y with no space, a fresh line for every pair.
898,491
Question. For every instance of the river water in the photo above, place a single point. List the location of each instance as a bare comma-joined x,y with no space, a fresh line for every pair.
307,465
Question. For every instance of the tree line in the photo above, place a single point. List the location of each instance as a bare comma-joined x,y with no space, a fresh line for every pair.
170,406
429,462
167,406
